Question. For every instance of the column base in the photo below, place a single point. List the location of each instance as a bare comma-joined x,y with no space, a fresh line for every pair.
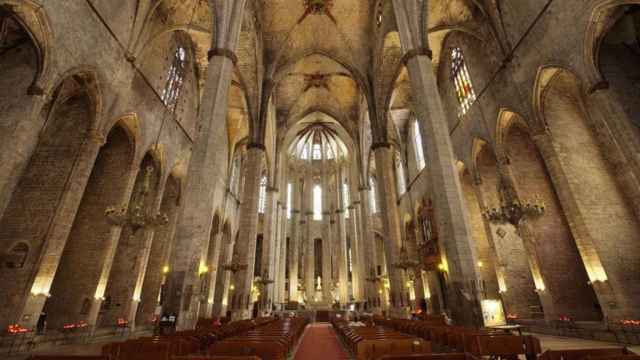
241,314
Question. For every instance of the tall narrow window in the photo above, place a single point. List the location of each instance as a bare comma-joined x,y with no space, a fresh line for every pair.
417,143
460,77
373,196
175,78
304,155
317,203
402,185
262,195
317,152
289,199
235,172
345,199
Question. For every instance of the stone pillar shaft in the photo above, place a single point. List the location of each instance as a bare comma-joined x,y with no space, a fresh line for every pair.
248,231
392,227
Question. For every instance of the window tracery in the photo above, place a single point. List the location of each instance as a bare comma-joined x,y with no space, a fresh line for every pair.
262,196
175,79
462,81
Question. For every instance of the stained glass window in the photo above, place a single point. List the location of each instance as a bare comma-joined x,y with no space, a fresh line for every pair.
317,152
402,185
317,202
345,199
373,196
417,143
175,79
289,199
460,76
262,195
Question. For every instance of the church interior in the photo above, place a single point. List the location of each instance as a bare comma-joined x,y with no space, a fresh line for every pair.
319,179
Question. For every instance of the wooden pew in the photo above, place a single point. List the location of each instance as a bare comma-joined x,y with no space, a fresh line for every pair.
446,356
66,357
583,354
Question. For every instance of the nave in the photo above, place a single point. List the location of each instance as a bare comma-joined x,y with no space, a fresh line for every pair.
179,176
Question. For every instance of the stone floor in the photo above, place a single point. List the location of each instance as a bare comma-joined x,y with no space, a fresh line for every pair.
548,343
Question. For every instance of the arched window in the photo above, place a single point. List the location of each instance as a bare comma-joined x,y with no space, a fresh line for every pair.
317,152
262,195
402,184
234,179
317,203
175,79
373,196
345,199
417,144
460,77
289,199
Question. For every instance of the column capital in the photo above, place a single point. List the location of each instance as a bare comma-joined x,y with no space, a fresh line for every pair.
96,136
295,211
381,144
229,54
356,203
258,146
420,51
339,211
363,188
272,189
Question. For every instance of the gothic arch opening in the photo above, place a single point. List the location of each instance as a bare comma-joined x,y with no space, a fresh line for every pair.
161,249
485,251
563,276
37,196
127,271
619,56
19,66
87,247
513,267
608,217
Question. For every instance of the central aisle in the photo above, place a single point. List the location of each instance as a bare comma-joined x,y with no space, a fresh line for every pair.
320,342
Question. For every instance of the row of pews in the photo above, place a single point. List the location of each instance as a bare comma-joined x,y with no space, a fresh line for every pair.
257,339
460,343
373,342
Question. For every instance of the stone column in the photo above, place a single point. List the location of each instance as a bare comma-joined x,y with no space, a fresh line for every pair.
282,257
247,233
269,246
343,260
59,230
327,278
294,252
215,265
357,268
207,167
392,227
452,217
367,250
309,259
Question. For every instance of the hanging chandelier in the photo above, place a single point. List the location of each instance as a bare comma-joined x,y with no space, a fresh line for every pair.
514,211
405,262
136,217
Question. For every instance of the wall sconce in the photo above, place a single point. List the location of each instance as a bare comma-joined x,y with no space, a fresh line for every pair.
203,269
165,269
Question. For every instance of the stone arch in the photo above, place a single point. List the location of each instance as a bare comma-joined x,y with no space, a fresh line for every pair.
32,19
88,244
513,265
126,277
601,213
484,244
604,17
44,180
563,279
161,250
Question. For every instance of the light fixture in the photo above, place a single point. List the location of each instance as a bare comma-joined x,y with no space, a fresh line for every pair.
203,269
480,264
513,211
165,269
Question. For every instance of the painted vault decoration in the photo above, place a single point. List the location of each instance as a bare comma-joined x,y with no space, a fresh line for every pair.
318,7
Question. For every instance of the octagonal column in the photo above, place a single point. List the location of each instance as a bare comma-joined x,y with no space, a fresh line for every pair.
241,304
